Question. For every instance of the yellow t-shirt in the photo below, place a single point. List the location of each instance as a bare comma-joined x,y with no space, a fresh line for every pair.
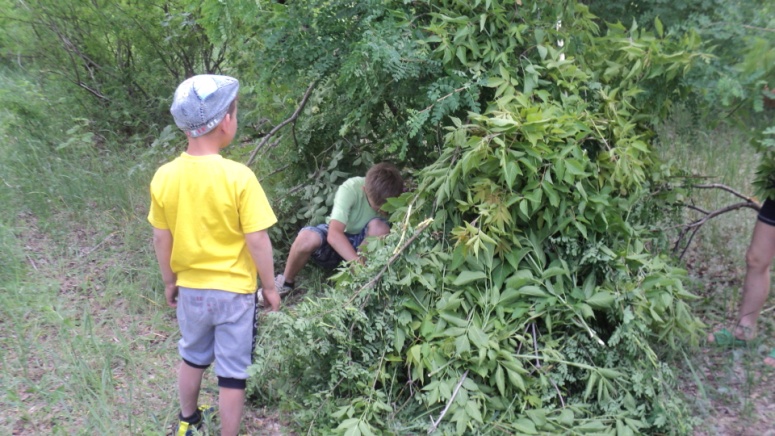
209,203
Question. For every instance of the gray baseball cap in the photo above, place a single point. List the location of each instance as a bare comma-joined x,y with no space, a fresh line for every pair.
201,102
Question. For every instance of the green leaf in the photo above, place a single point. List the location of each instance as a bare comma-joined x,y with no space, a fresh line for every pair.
541,51
590,385
566,417
478,337
516,379
524,426
349,423
533,291
398,339
461,54
453,319
602,300
472,409
659,27
462,345
365,428
538,416
519,278
467,277
500,380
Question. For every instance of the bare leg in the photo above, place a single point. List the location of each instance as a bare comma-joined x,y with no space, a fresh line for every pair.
756,286
189,382
305,244
377,228
230,404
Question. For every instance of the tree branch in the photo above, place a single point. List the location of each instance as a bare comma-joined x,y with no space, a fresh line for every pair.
728,189
695,225
284,123
449,403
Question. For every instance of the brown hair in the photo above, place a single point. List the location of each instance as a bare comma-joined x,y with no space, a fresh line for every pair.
383,181
232,107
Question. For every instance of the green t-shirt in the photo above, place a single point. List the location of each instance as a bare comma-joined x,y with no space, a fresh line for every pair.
351,206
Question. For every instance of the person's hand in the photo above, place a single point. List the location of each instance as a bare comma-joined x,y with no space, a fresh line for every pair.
272,297
171,292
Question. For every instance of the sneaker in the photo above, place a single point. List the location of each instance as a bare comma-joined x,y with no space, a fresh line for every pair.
186,428
279,284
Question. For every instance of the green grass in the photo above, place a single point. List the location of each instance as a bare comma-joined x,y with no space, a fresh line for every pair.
727,389
89,345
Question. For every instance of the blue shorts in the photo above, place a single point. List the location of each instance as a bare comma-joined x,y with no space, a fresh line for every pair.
325,256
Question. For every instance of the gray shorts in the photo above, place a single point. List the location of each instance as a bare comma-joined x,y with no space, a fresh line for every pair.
217,326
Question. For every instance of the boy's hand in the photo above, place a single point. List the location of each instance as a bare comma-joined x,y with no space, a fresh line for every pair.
272,297
171,292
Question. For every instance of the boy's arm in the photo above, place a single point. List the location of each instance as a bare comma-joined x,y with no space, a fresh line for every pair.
162,245
260,247
339,242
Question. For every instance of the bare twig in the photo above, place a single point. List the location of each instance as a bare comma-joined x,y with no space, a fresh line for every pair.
449,403
700,210
535,344
282,168
91,250
32,262
728,189
758,28
284,123
693,227
559,394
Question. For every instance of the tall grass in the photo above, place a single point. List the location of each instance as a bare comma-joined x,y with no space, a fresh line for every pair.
728,388
88,343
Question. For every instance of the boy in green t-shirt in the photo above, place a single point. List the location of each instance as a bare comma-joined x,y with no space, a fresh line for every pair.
210,219
355,216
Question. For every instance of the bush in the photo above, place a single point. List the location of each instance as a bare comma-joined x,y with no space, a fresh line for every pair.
535,300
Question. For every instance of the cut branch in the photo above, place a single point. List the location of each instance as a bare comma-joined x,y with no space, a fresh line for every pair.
449,403
422,226
292,119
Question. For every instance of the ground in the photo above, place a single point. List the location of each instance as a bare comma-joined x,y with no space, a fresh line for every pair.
730,392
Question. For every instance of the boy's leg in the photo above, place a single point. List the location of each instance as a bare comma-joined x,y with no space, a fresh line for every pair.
235,335
756,286
195,347
189,383
308,240
231,402
377,227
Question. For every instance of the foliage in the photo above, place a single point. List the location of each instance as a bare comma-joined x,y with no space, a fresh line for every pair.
765,173
739,34
122,59
535,301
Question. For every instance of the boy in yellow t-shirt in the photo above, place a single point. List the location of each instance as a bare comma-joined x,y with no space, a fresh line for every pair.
210,218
